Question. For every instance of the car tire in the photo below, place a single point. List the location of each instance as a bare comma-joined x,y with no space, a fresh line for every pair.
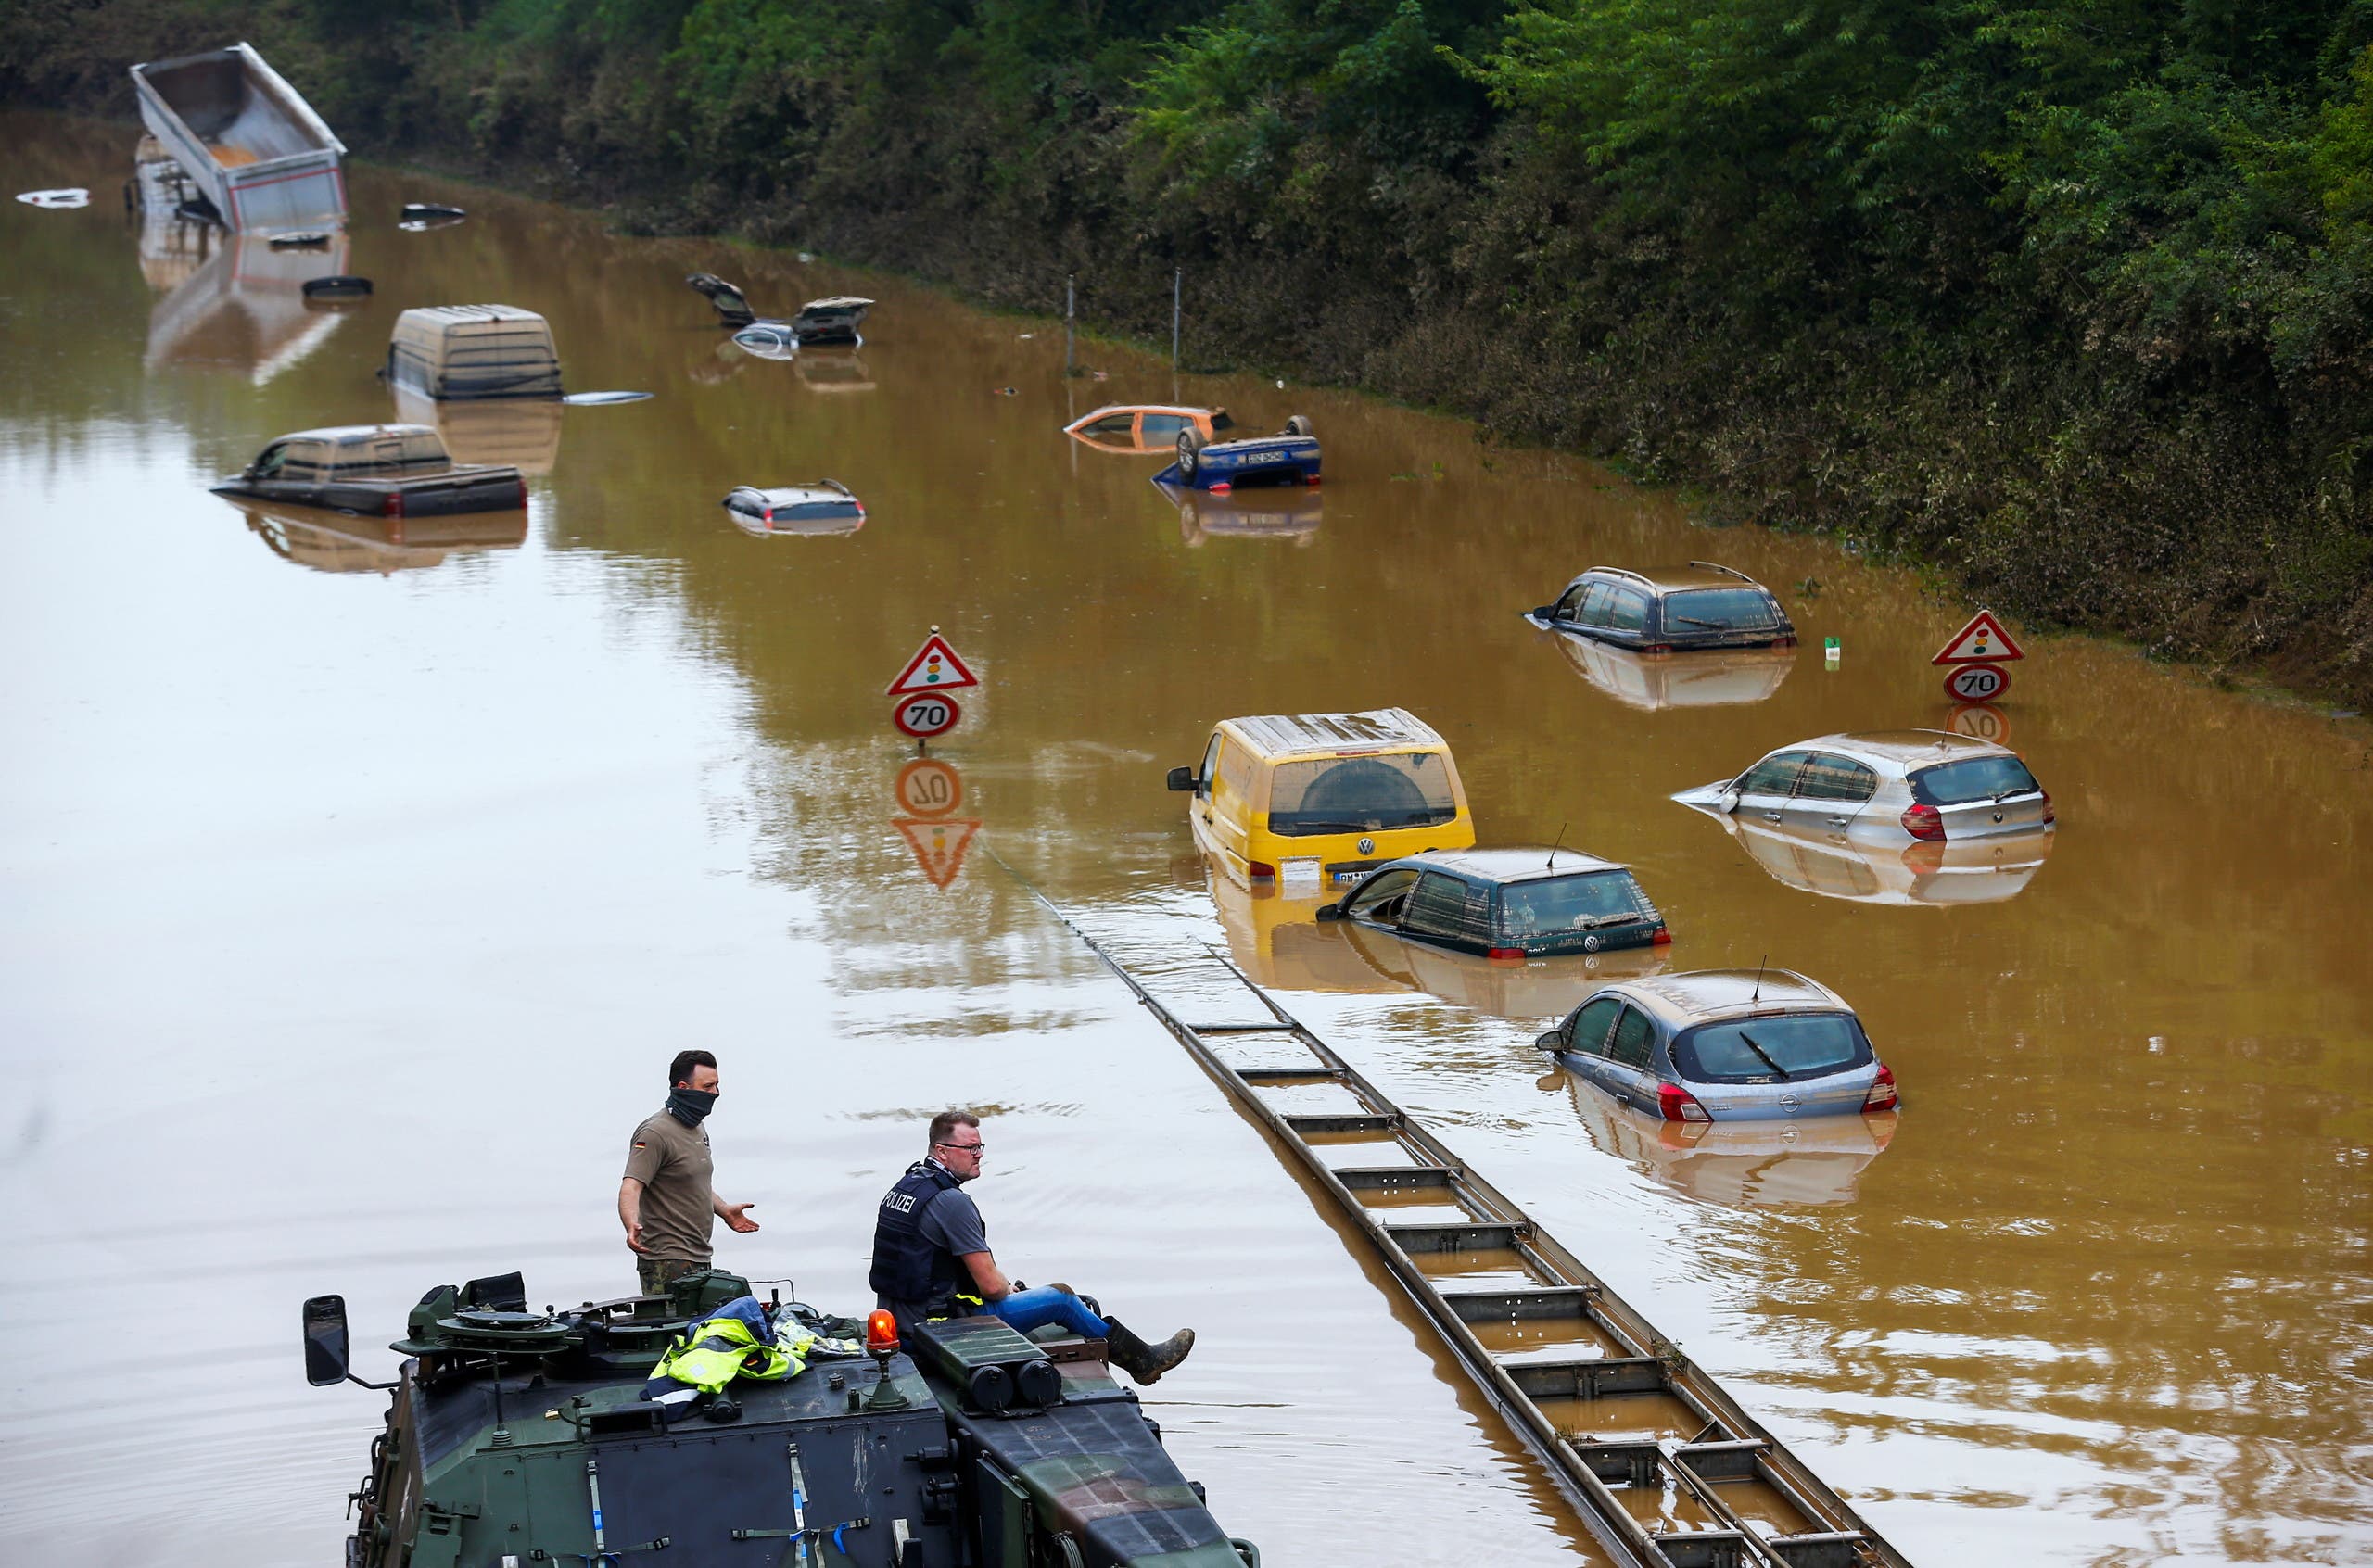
1190,451
1298,426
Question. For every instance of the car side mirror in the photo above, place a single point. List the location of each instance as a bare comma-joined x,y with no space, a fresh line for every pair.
1330,911
1182,778
325,1340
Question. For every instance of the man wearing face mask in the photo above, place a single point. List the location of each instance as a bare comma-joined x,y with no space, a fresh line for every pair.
665,1202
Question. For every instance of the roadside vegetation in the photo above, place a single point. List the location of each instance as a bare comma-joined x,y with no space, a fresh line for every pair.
2071,298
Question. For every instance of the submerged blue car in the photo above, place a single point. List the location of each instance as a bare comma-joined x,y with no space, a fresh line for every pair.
1289,456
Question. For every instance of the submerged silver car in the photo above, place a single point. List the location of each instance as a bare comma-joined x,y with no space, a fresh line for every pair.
1725,1045
1891,787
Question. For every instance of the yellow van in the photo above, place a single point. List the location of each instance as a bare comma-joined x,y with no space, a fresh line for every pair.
1309,800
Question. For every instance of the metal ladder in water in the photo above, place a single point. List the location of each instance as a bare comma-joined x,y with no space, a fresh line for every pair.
1750,1503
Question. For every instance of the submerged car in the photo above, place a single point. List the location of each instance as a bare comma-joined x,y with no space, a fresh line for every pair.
767,340
1893,787
1144,428
1311,798
1505,903
833,320
1725,1045
1290,457
1666,611
823,508
732,306
385,470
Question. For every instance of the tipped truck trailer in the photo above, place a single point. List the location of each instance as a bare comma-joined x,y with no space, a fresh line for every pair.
252,144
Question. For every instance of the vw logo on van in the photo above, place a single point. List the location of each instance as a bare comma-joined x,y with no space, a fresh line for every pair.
1368,846
1590,943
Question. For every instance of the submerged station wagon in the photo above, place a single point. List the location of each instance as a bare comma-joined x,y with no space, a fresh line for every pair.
1725,1045
1318,798
1890,788
1506,903
1674,608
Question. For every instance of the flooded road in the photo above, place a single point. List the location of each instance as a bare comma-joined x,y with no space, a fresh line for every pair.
356,889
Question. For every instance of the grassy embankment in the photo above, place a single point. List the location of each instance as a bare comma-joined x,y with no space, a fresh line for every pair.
2073,299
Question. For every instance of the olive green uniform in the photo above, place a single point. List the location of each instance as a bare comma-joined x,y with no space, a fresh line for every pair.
678,1207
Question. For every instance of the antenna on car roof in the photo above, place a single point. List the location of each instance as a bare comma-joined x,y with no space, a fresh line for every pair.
1555,847
1758,978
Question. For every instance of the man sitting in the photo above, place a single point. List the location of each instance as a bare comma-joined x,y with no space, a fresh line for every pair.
931,1260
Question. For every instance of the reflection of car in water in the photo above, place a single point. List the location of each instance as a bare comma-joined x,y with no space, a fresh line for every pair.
1825,861
1275,939
330,541
833,369
1746,1164
1139,429
1273,512
521,432
1505,903
1890,788
1704,678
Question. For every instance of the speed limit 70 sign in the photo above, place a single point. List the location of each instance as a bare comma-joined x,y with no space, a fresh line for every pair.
926,714
1976,683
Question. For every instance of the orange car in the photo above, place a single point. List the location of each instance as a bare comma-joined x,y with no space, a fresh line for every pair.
1142,428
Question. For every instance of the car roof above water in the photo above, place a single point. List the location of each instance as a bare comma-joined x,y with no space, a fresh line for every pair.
355,435
1904,749
1673,579
1699,995
1282,735
1518,863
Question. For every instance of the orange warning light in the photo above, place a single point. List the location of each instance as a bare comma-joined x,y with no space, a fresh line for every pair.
880,1331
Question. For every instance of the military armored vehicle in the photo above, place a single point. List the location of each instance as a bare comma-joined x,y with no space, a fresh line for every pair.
516,1436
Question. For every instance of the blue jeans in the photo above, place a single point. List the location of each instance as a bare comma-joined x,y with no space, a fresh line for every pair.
1027,1309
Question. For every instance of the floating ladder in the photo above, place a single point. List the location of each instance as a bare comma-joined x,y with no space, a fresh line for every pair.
1590,1383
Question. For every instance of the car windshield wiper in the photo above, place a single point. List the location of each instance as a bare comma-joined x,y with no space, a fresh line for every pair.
2018,789
1709,626
1338,828
1759,1051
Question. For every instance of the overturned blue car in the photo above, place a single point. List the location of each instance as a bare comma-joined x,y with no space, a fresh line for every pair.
1289,458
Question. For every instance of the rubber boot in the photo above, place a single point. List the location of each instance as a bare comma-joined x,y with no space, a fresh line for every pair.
1146,1363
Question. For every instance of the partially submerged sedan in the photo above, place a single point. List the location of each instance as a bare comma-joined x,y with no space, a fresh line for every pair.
1505,903
1889,788
1668,609
824,508
1141,429
1290,457
1725,1045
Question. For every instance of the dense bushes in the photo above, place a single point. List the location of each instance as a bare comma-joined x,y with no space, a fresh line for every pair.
2071,295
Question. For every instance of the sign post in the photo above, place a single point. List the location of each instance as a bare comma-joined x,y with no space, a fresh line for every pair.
923,706
1974,659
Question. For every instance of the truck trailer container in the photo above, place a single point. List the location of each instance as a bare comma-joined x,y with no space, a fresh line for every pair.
250,143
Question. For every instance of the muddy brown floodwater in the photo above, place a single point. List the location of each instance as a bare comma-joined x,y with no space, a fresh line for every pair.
358,886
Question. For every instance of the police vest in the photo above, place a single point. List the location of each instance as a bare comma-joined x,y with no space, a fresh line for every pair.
908,1266
717,1351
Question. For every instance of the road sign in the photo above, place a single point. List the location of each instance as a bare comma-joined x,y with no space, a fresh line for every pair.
1976,683
939,846
928,786
1980,723
1983,641
926,716
935,667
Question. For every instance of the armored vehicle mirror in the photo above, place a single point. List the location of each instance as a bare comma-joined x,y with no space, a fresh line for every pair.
326,1347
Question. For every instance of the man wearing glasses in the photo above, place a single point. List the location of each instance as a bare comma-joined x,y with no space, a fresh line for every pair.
931,1260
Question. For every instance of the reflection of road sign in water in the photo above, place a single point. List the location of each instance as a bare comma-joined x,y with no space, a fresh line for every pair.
935,667
926,716
939,846
1980,723
1982,641
1976,683
928,786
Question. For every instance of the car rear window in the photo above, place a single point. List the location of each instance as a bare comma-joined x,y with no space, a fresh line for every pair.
1719,610
1973,778
1361,794
1771,1050
1571,903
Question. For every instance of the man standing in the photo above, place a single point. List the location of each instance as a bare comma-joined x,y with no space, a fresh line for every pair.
932,1259
665,1202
